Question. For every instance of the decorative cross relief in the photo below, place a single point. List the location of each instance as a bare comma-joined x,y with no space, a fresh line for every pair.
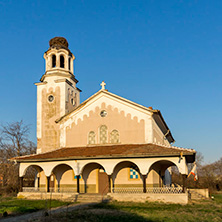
103,84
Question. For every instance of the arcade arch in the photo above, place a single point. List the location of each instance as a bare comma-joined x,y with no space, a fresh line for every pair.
126,174
64,177
159,173
95,178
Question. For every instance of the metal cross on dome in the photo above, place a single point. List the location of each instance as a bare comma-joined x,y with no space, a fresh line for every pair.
103,84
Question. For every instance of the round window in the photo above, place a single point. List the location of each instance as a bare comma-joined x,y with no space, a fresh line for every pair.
103,113
50,98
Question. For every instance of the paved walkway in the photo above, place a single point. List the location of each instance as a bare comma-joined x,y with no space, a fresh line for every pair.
40,214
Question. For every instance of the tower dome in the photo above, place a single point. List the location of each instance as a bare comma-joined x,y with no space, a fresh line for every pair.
59,42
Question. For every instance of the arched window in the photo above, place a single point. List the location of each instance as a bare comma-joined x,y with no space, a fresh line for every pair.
103,134
53,61
69,63
62,61
91,137
114,136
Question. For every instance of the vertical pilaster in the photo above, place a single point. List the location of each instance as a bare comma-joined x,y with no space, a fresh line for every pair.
97,180
112,185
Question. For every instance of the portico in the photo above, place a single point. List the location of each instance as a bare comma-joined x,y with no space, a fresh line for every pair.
82,173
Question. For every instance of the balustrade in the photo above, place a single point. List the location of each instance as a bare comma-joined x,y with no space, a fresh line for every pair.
163,190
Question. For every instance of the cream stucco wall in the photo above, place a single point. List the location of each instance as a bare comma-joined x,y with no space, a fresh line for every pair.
133,123
131,130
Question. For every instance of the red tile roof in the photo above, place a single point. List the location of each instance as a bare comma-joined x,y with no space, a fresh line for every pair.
108,151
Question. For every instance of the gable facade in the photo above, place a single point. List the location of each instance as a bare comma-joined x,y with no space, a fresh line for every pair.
123,123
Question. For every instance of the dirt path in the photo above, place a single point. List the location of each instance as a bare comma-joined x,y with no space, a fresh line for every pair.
41,214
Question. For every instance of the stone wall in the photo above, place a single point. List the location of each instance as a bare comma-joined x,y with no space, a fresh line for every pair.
166,198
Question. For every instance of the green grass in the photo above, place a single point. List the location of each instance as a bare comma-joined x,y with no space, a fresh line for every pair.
12,205
205,210
218,198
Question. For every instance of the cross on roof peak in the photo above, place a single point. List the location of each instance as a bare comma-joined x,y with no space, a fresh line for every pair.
103,84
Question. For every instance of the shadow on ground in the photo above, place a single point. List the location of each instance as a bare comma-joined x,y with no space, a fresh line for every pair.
103,212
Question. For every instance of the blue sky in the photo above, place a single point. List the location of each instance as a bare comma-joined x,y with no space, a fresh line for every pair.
164,54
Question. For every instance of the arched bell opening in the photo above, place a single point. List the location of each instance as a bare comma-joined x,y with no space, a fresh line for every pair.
95,178
127,178
69,64
53,61
62,61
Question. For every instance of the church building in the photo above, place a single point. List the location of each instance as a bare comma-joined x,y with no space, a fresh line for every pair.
107,144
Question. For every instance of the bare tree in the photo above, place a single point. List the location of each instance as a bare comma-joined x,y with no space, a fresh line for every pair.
14,141
15,138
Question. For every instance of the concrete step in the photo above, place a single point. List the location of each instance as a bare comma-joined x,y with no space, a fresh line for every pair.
91,198
196,196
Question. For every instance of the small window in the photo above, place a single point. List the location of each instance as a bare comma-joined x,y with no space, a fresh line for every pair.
73,101
92,137
51,98
103,134
62,61
53,61
114,136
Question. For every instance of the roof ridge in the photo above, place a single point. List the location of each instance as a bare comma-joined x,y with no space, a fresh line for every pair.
109,145
174,147
111,94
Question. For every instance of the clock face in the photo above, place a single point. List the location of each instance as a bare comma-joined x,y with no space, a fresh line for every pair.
103,113
50,98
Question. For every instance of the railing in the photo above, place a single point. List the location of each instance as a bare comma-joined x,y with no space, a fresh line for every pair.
52,190
171,190
159,190
128,190
67,190
33,189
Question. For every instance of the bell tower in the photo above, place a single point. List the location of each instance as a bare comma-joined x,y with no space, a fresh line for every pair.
57,93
